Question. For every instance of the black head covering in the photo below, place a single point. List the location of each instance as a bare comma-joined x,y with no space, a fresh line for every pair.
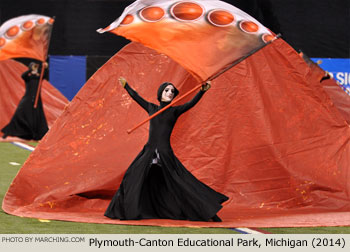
161,89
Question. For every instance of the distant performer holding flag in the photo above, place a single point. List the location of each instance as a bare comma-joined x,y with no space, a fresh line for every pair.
29,122
27,37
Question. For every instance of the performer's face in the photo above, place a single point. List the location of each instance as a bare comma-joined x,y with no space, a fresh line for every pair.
168,93
35,67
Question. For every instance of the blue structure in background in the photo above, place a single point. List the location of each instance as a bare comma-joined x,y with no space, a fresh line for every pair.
67,74
338,68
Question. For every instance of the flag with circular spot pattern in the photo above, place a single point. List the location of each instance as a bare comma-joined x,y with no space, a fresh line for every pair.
25,36
204,36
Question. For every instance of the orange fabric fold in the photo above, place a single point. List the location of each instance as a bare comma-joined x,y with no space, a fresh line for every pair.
266,134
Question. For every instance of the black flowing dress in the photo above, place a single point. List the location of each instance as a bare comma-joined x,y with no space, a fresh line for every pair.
156,185
28,122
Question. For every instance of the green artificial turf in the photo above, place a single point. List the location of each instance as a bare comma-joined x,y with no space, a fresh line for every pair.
309,230
17,225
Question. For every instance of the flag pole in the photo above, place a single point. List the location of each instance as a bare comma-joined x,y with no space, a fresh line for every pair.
39,86
166,107
200,85
42,71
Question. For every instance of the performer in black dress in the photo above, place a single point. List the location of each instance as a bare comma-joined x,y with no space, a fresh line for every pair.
28,122
157,185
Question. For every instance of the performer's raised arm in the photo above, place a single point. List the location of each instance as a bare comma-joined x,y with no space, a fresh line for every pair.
183,108
26,74
134,95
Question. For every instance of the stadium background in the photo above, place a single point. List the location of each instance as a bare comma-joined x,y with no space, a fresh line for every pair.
319,28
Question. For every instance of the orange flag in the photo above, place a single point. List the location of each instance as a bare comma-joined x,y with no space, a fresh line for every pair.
25,36
204,36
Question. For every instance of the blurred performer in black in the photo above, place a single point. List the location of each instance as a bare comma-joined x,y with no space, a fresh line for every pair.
28,122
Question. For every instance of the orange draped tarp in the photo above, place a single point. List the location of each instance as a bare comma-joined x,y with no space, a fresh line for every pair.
340,98
13,88
266,134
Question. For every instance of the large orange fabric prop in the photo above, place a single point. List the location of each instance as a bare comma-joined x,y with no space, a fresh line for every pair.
266,134
340,98
203,36
12,90
25,36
